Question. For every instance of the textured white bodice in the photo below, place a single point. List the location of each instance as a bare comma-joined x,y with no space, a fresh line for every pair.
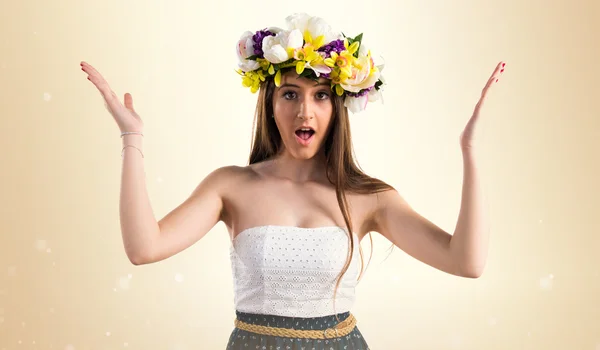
292,271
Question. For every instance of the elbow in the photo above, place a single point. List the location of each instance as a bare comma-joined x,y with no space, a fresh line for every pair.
469,266
136,260
139,255
472,272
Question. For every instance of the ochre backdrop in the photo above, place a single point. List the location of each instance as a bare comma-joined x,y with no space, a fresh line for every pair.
66,283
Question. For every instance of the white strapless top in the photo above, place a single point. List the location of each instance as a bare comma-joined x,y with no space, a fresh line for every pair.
292,271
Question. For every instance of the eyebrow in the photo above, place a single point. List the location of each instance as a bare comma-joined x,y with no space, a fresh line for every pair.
296,86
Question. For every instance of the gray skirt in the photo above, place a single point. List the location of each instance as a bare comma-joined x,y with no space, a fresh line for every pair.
241,339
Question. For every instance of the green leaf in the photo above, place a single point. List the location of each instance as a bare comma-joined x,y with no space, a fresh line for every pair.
282,64
306,72
359,39
253,57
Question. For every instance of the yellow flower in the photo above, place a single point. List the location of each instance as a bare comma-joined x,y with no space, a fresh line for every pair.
337,76
264,64
300,67
307,57
344,62
352,48
252,79
317,43
364,75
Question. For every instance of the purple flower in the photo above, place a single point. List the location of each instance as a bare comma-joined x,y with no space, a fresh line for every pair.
361,92
258,39
336,46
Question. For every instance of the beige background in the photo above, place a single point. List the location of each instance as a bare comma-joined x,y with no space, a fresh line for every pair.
66,283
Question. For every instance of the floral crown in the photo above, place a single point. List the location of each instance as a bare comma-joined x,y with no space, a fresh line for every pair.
310,45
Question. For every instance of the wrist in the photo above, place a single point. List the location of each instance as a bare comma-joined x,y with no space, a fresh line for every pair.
470,153
133,139
467,149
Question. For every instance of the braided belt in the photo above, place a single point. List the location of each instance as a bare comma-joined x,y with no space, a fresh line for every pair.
341,329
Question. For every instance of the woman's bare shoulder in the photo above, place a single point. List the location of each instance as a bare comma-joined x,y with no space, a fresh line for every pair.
228,172
228,175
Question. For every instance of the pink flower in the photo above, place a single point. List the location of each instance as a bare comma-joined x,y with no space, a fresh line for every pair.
245,49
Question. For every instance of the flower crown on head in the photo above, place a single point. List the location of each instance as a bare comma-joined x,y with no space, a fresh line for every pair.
311,47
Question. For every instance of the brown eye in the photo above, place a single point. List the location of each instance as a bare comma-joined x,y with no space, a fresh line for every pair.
287,94
322,95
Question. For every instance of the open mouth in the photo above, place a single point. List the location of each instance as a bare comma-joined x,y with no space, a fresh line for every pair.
304,135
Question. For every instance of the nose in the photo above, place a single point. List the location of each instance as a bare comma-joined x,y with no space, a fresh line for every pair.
306,110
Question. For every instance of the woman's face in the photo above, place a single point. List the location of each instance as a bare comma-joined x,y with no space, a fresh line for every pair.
301,103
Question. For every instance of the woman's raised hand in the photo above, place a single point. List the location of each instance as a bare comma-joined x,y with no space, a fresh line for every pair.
124,114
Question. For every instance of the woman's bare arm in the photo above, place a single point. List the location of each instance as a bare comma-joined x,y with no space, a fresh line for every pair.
147,241
194,218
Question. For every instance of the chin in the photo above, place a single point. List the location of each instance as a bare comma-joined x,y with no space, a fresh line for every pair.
300,152
304,154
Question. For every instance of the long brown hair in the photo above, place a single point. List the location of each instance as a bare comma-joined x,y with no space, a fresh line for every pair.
342,170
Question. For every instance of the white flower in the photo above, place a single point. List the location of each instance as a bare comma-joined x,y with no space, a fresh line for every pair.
361,78
276,48
375,95
316,26
363,50
356,104
274,30
318,69
245,49
377,60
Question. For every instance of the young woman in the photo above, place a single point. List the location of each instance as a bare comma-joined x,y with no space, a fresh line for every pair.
297,212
